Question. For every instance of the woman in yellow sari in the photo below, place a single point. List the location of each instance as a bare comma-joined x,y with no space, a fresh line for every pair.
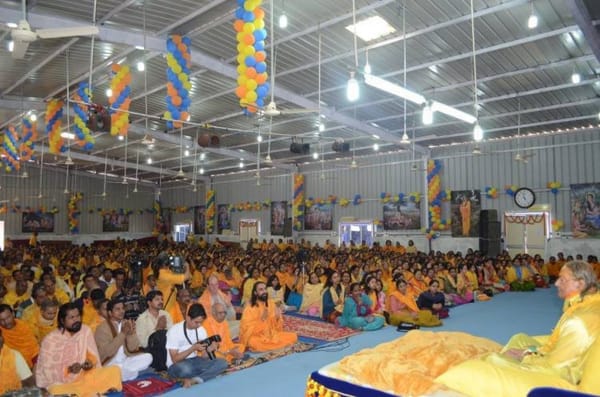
312,304
402,307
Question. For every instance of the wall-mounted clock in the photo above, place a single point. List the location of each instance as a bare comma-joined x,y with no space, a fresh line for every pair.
524,197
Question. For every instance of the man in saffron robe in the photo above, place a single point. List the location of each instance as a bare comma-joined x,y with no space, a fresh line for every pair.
217,324
69,362
14,372
18,335
261,328
211,295
45,322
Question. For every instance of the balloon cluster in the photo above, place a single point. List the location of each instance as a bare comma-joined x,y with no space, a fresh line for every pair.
179,62
510,190
10,149
491,192
414,197
557,225
158,221
298,202
357,199
120,99
73,212
54,113
435,194
210,210
554,186
252,69
344,202
82,97
28,138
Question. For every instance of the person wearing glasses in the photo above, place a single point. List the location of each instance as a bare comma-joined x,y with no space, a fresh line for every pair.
217,324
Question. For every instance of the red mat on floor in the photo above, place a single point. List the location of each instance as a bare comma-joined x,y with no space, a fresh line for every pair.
316,329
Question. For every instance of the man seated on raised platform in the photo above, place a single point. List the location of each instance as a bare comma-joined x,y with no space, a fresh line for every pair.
69,362
261,328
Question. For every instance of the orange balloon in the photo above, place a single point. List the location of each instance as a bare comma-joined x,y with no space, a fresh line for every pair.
248,39
176,39
185,116
241,91
176,100
238,25
260,56
115,67
251,73
251,108
182,47
261,78
259,13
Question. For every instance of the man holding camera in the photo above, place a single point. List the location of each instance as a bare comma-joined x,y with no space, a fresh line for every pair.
118,343
168,278
191,353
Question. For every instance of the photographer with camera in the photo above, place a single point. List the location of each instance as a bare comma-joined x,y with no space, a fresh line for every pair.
191,353
170,270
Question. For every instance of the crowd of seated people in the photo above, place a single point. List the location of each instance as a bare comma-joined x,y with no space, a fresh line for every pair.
52,295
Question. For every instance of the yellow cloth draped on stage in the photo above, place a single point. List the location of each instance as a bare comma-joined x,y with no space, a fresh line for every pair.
259,334
409,365
60,349
21,338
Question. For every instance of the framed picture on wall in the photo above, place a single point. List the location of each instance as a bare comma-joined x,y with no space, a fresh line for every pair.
41,222
585,210
319,217
223,221
465,206
115,222
401,216
200,219
278,216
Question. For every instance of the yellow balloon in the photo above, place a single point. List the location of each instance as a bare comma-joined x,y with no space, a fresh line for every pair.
168,115
251,84
249,50
177,69
241,69
240,47
241,59
187,85
251,96
259,23
248,27
240,36
241,80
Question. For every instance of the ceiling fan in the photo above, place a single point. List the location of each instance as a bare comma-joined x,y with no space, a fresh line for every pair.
271,110
22,35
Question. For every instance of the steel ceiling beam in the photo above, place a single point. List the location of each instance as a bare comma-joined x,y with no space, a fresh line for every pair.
583,18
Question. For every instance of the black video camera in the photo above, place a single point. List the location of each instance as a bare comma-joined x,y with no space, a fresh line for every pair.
176,264
206,342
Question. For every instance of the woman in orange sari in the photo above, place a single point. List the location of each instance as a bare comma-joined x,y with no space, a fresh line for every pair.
402,307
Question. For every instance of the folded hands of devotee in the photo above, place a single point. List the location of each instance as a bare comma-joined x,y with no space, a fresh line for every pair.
75,368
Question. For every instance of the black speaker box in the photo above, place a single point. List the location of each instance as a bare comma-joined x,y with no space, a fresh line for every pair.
486,216
490,230
287,227
300,148
490,247
340,147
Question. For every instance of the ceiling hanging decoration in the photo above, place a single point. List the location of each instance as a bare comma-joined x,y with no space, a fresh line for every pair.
28,138
9,149
252,67
120,100
54,114
179,61
81,98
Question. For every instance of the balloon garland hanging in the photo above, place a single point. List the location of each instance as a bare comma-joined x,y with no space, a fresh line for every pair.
210,210
54,113
83,135
10,151
29,136
179,61
120,100
252,78
298,202
73,212
434,196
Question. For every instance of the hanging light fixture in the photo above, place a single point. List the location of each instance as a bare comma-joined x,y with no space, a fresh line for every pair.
405,138
367,69
352,89
575,77
283,19
477,130
532,22
427,114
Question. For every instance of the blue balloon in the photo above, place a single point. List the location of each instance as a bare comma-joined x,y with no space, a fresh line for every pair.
185,103
259,45
176,114
171,46
267,86
239,13
261,67
63,149
187,41
248,16
241,2
261,91
169,125
250,61
260,102
184,93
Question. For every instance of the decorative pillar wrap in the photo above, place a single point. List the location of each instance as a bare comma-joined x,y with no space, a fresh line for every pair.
298,202
434,196
210,211
156,209
54,113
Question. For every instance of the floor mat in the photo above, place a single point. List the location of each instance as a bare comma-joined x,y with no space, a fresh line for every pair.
298,347
148,384
315,329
